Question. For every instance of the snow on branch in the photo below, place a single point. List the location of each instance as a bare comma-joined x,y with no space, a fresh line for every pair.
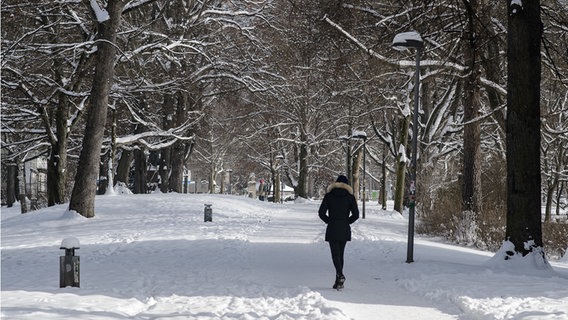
496,86
371,52
135,4
141,139
172,135
101,14
232,12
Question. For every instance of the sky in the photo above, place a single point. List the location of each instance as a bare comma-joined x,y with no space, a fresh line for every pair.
153,257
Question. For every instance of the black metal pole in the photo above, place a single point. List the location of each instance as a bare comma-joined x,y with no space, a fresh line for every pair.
348,160
412,202
364,174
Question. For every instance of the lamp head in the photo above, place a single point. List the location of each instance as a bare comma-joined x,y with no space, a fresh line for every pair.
405,40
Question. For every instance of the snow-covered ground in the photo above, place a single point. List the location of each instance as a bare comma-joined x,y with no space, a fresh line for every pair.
153,257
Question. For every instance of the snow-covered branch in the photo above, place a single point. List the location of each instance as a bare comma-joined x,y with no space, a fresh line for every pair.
141,138
100,13
393,62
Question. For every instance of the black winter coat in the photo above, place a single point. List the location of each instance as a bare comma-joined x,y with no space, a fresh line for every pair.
338,209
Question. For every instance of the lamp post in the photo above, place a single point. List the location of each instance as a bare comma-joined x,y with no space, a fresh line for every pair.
363,135
403,41
229,188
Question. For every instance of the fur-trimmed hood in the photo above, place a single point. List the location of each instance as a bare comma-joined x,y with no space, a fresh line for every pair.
340,185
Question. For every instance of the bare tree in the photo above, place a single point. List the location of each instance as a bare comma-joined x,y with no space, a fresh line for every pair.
84,191
44,66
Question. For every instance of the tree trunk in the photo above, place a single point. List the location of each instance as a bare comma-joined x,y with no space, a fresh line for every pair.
549,198
176,167
277,186
57,162
471,187
523,126
491,62
103,178
401,165
84,190
212,177
22,187
303,169
471,170
383,196
180,149
11,184
165,168
56,178
559,192
123,168
356,170
112,157
165,164
223,179
140,172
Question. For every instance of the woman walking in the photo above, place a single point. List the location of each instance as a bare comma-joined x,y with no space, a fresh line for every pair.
338,210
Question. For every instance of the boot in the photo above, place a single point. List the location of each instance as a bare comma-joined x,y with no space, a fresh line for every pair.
340,282
336,284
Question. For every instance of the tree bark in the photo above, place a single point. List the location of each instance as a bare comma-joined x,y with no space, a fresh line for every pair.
103,172
401,166
559,192
22,196
84,190
383,196
303,168
140,185
356,170
176,167
11,184
123,168
549,198
471,187
57,162
168,122
523,126
180,149
165,168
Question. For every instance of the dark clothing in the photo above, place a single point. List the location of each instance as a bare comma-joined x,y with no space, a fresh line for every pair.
337,252
338,210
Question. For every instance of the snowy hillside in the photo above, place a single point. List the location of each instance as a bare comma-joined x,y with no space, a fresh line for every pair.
153,257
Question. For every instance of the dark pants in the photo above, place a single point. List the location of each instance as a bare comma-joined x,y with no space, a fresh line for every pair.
337,252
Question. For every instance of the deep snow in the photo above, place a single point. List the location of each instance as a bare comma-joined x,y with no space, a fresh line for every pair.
153,257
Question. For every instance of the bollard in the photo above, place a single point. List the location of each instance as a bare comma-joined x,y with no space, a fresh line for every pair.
208,213
69,264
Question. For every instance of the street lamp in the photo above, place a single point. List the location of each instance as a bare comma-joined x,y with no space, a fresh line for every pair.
403,41
229,172
363,135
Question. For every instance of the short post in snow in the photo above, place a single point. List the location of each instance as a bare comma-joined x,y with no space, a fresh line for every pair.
208,213
69,264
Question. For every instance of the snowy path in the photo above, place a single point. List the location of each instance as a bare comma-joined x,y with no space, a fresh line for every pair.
153,257
303,258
